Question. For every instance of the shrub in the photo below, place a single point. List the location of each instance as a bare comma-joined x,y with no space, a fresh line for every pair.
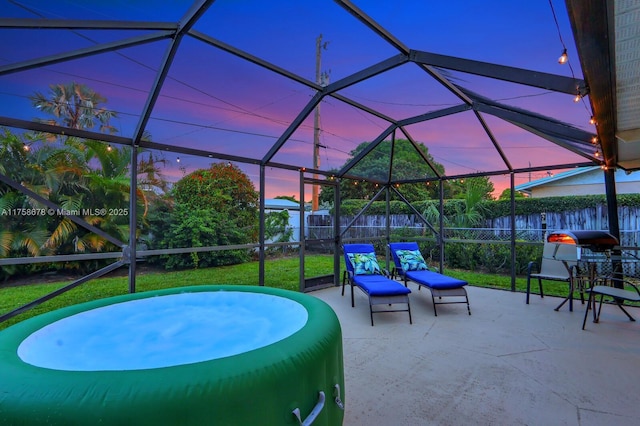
490,257
212,207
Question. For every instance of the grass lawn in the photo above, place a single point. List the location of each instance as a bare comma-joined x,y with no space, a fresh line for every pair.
280,273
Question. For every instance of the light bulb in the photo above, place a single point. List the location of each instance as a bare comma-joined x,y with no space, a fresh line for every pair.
577,98
594,140
109,148
178,160
592,120
563,58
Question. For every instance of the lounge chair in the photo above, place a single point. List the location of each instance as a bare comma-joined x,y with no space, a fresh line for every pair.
410,266
363,271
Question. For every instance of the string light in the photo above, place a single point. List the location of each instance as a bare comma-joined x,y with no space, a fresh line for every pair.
26,148
563,58
177,159
109,148
594,140
592,120
577,98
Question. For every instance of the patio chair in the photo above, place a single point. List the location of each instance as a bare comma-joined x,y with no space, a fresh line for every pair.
552,268
410,265
364,272
629,292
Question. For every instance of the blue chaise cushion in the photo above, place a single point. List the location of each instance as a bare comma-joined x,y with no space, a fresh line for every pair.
379,285
435,280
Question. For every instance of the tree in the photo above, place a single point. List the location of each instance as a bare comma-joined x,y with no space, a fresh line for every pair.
480,186
506,194
407,164
212,207
74,105
91,179
94,177
20,234
465,215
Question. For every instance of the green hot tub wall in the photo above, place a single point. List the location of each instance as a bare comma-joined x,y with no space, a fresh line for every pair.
258,387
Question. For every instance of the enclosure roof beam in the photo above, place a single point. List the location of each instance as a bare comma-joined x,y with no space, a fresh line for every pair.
196,152
373,25
546,124
188,20
368,72
367,150
253,59
556,83
285,73
69,24
82,53
397,44
119,140
361,107
63,131
579,148
545,128
195,12
156,87
293,126
495,143
434,114
424,157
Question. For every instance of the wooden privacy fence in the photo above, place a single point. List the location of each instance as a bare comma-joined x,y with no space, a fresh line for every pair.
528,227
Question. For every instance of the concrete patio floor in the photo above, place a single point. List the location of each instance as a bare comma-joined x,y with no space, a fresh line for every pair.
507,364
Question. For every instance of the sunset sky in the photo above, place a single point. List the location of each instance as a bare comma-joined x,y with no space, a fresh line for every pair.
215,101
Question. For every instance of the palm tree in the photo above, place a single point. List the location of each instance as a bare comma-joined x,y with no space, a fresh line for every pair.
76,106
20,233
465,215
75,174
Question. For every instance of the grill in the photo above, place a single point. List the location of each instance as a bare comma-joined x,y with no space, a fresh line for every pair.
596,241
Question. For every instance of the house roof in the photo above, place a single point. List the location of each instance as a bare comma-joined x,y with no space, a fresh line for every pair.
558,177
277,203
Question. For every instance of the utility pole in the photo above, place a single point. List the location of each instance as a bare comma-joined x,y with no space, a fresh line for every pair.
320,79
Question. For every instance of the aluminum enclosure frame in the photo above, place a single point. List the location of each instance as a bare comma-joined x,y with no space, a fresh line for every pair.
575,140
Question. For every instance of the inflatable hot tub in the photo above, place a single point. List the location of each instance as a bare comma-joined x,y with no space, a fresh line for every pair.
224,355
